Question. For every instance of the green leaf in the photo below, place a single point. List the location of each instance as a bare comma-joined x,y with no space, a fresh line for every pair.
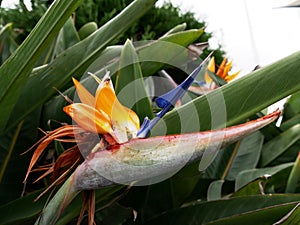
294,177
292,106
255,187
130,87
292,217
278,145
115,214
67,37
217,167
172,193
247,155
148,202
183,183
214,191
22,209
290,122
177,54
265,216
234,159
178,28
238,99
13,165
246,176
174,54
218,80
87,29
74,61
201,213
16,70
7,43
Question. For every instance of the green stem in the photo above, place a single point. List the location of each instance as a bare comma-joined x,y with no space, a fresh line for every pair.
58,203
231,160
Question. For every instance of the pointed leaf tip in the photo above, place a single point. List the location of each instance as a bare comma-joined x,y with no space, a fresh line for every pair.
170,98
167,101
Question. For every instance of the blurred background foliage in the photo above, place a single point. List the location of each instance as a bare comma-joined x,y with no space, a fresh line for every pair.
155,23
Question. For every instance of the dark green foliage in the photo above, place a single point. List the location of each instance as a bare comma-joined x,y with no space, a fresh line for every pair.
152,25
22,18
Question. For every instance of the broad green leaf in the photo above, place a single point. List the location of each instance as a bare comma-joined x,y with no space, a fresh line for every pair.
148,202
183,38
7,43
218,80
234,159
87,29
178,28
238,99
265,216
115,214
201,213
16,70
13,165
74,61
217,167
277,182
177,54
184,183
169,194
247,155
255,187
288,156
294,177
290,122
130,87
214,191
247,176
292,217
172,193
22,209
278,145
154,58
67,37
292,106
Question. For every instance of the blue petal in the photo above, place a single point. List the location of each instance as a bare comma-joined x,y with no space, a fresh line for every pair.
167,101
171,97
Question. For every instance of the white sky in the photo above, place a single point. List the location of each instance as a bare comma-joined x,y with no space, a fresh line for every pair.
250,31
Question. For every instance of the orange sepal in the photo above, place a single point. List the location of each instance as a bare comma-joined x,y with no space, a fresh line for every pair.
232,76
85,96
221,71
124,121
227,68
211,67
88,118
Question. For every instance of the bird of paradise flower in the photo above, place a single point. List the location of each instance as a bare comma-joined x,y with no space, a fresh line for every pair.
122,142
